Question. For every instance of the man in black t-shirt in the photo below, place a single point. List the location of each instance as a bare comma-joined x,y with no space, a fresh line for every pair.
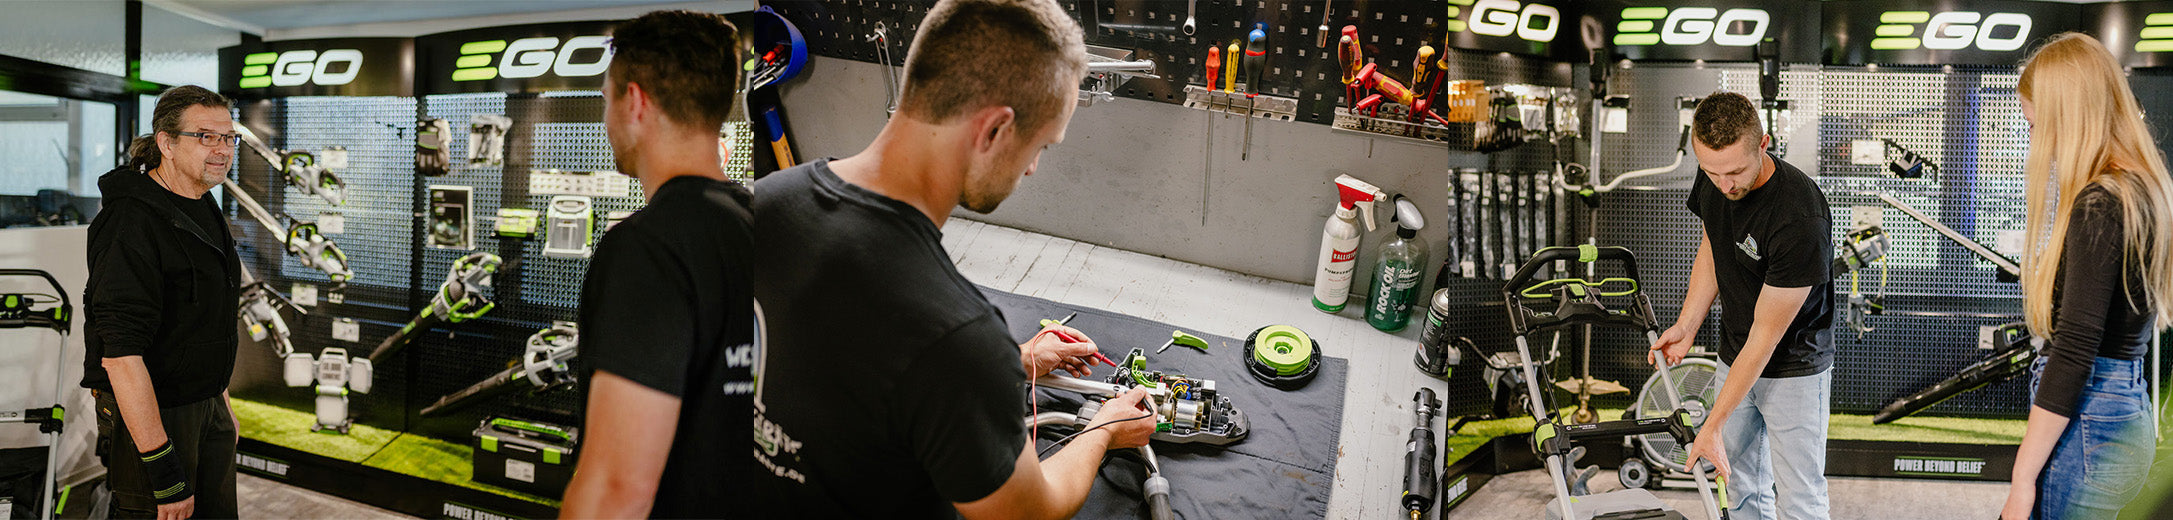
1774,237
667,319
887,387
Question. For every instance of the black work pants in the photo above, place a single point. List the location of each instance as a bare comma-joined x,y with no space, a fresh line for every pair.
204,438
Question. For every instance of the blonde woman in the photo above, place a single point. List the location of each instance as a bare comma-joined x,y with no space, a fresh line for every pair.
2096,283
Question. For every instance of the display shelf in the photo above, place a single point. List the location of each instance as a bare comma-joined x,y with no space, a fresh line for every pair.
407,473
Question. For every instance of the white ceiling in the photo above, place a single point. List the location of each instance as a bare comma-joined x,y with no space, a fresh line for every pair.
290,14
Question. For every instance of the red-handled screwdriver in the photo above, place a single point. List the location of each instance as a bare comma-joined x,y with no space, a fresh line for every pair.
1045,324
1214,64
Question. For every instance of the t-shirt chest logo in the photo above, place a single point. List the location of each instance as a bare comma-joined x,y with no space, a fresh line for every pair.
1750,247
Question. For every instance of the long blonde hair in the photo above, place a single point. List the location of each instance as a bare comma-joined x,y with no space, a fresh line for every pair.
2089,130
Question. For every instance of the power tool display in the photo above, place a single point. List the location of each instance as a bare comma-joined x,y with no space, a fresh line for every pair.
299,168
259,313
2017,351
542,366
459,299
331,374
302,240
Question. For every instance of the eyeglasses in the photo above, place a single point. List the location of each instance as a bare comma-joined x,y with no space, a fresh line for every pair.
214,139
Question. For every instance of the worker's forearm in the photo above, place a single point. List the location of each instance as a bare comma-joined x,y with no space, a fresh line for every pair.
599,493
137,402
2037,442
1776,310
1703,287
1749,364
1070,473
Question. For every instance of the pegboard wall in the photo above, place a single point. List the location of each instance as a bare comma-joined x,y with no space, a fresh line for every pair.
396,273
378,214
1967,120
1298,65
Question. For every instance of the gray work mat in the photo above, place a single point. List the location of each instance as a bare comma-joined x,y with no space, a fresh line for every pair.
1284,469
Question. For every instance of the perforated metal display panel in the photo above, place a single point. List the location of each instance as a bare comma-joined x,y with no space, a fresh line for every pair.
396,274
1967,121
377,240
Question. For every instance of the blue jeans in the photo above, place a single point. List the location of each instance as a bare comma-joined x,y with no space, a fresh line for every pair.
1777,448
2104,456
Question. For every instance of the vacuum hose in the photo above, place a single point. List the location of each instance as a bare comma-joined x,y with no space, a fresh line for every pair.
1156,488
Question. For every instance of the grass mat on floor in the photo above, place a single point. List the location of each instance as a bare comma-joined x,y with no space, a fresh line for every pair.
441,461
1475,434
1842,427
1957,430
290,428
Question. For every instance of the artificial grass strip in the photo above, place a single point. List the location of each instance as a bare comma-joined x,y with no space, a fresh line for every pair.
1954,430
290,428
1475,434
441,461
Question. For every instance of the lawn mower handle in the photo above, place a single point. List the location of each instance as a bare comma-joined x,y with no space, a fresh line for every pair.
1583,254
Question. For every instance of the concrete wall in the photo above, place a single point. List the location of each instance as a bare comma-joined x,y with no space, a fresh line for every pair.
1165,180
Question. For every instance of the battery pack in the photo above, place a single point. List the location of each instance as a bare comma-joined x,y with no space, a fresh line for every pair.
527,456
569,224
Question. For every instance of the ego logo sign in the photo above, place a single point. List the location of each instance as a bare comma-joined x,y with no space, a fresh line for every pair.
532,57
304,67
1742,27
2157,35
1531,22
1952,30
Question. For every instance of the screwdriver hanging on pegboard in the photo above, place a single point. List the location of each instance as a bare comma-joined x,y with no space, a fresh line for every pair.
1256,59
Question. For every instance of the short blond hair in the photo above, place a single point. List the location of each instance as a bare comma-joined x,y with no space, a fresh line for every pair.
972,54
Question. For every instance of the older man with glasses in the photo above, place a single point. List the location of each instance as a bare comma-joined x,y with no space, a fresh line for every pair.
160,340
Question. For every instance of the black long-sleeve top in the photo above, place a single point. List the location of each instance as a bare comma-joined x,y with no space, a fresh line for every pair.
2099,305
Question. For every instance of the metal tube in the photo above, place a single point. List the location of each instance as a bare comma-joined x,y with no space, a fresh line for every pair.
1052,419
1120,66
255,210
1540,416
1080,386
1997,259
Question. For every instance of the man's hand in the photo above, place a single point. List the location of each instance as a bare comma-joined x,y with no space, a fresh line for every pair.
177,510
1674,344
1127,434
1057,347
1711,449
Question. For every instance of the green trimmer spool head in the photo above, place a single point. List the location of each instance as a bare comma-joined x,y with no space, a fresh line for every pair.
1282,356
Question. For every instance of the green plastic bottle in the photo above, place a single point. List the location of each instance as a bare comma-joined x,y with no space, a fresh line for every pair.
1397,271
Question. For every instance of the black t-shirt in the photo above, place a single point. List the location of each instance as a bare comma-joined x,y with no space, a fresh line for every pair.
887,387
1781,234
2095,303
666,305
205,213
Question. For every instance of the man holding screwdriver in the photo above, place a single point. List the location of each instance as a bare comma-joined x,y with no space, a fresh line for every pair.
1776,316
886,385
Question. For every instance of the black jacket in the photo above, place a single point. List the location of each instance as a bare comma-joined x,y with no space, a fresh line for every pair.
161,287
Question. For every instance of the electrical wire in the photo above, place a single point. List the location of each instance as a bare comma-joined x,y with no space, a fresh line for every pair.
1067,438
